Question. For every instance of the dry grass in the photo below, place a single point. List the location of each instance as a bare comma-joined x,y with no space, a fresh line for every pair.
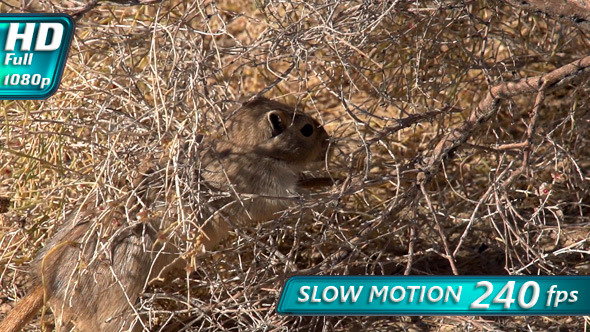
388,80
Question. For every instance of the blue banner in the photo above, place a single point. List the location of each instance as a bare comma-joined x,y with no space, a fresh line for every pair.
436,295
33,53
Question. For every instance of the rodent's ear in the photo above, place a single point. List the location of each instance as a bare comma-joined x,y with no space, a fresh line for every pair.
276,121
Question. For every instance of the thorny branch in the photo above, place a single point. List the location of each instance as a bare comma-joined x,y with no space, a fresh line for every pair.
557,78
576,12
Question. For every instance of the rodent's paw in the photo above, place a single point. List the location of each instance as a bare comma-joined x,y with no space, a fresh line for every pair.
200,244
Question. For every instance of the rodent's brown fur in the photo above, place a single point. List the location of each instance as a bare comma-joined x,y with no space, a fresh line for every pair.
266,145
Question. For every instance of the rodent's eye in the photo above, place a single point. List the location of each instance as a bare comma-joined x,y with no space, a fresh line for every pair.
307,130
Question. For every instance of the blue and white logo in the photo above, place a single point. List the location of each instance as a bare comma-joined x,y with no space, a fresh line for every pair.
33,53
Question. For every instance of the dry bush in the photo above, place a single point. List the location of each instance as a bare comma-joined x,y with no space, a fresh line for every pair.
425,183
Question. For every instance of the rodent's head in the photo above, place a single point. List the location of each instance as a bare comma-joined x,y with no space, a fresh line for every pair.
275,130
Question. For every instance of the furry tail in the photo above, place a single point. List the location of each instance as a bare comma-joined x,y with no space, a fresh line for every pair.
24,311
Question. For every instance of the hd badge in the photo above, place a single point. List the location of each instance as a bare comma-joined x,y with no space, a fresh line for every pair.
33,53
